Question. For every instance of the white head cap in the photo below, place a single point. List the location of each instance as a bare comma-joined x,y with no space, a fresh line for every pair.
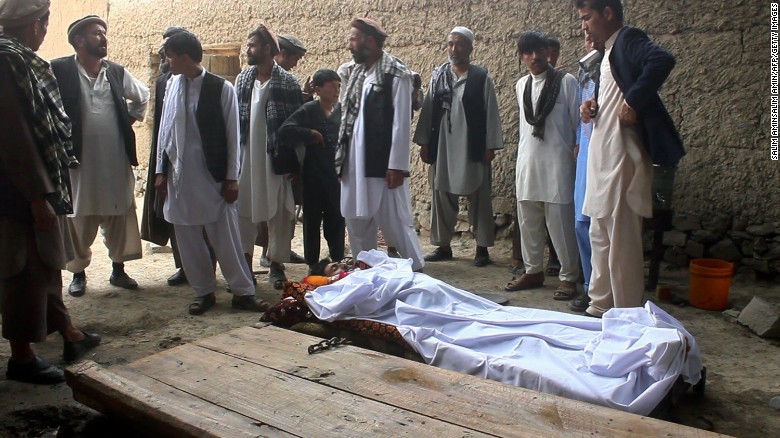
466,32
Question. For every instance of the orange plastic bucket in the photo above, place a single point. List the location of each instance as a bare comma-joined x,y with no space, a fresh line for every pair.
710,283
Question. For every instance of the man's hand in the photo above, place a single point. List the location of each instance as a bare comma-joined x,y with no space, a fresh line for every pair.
424,154
627,115
588,110
230,190
307,86
161,185
394,178
44,215
490,154
576,151
316,138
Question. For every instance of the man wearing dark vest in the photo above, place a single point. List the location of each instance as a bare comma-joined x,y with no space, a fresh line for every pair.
459,131
197,173
95,94
267,96
372,155
154,227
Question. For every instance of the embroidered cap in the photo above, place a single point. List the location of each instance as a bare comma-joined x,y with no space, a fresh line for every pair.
466,32
79,24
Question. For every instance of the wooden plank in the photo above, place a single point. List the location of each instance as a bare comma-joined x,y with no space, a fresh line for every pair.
156,408
284,401
471,402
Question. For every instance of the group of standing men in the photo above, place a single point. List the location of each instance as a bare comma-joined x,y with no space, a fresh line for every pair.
224,159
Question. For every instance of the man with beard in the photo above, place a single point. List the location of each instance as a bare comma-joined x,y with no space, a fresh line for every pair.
631,131
34,149
267,96
154,227
372,155
544,175
459,132
197,172
95,94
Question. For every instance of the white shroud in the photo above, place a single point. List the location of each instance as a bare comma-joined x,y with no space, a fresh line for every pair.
628,360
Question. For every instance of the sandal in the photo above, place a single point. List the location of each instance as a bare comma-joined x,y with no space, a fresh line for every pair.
565,292
525,281
200,305
553,268
277,278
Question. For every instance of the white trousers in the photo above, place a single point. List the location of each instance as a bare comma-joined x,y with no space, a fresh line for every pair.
394,217
617,259
120,235
531,217
226,242
280,228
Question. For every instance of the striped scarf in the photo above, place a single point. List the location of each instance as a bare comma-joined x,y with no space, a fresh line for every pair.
283,99
48,123
351,104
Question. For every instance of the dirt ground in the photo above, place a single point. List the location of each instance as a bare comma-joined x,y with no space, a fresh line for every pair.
743,369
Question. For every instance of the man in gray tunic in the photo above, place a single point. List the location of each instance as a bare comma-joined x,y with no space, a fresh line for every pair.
459,131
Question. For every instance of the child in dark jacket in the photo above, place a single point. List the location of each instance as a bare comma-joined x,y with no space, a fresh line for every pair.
316,125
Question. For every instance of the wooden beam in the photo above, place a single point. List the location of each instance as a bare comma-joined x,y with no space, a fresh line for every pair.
468,401
156,408
287,402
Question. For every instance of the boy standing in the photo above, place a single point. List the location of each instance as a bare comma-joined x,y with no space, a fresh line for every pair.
316,124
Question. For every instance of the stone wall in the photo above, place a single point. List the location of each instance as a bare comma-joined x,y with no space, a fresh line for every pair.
717,94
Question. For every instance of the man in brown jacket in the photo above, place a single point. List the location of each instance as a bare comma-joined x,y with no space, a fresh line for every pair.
34,194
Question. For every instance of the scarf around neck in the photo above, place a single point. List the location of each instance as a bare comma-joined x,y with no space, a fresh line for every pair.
546,103
387,64
48,123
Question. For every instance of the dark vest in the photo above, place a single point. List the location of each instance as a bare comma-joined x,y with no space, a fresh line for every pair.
211,124
67,74
378,114
476,116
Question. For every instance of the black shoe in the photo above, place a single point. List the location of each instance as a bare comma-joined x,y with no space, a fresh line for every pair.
482,258
78,287
439,254
72,351
38,371
585,313
580,304
250,303
296,258
178,277
122,280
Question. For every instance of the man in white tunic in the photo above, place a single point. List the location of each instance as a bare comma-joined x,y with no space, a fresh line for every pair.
459,131
372,156
631,131
548,104
197,172
95,93
267,96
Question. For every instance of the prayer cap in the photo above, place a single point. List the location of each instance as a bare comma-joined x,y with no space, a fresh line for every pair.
369,27
173,30
292,44
79,24
466,32
19,13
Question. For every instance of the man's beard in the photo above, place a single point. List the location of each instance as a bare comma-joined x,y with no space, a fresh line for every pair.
97,51
165,68
358,56
459,60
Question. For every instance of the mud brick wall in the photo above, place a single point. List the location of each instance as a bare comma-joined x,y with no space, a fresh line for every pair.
717,94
